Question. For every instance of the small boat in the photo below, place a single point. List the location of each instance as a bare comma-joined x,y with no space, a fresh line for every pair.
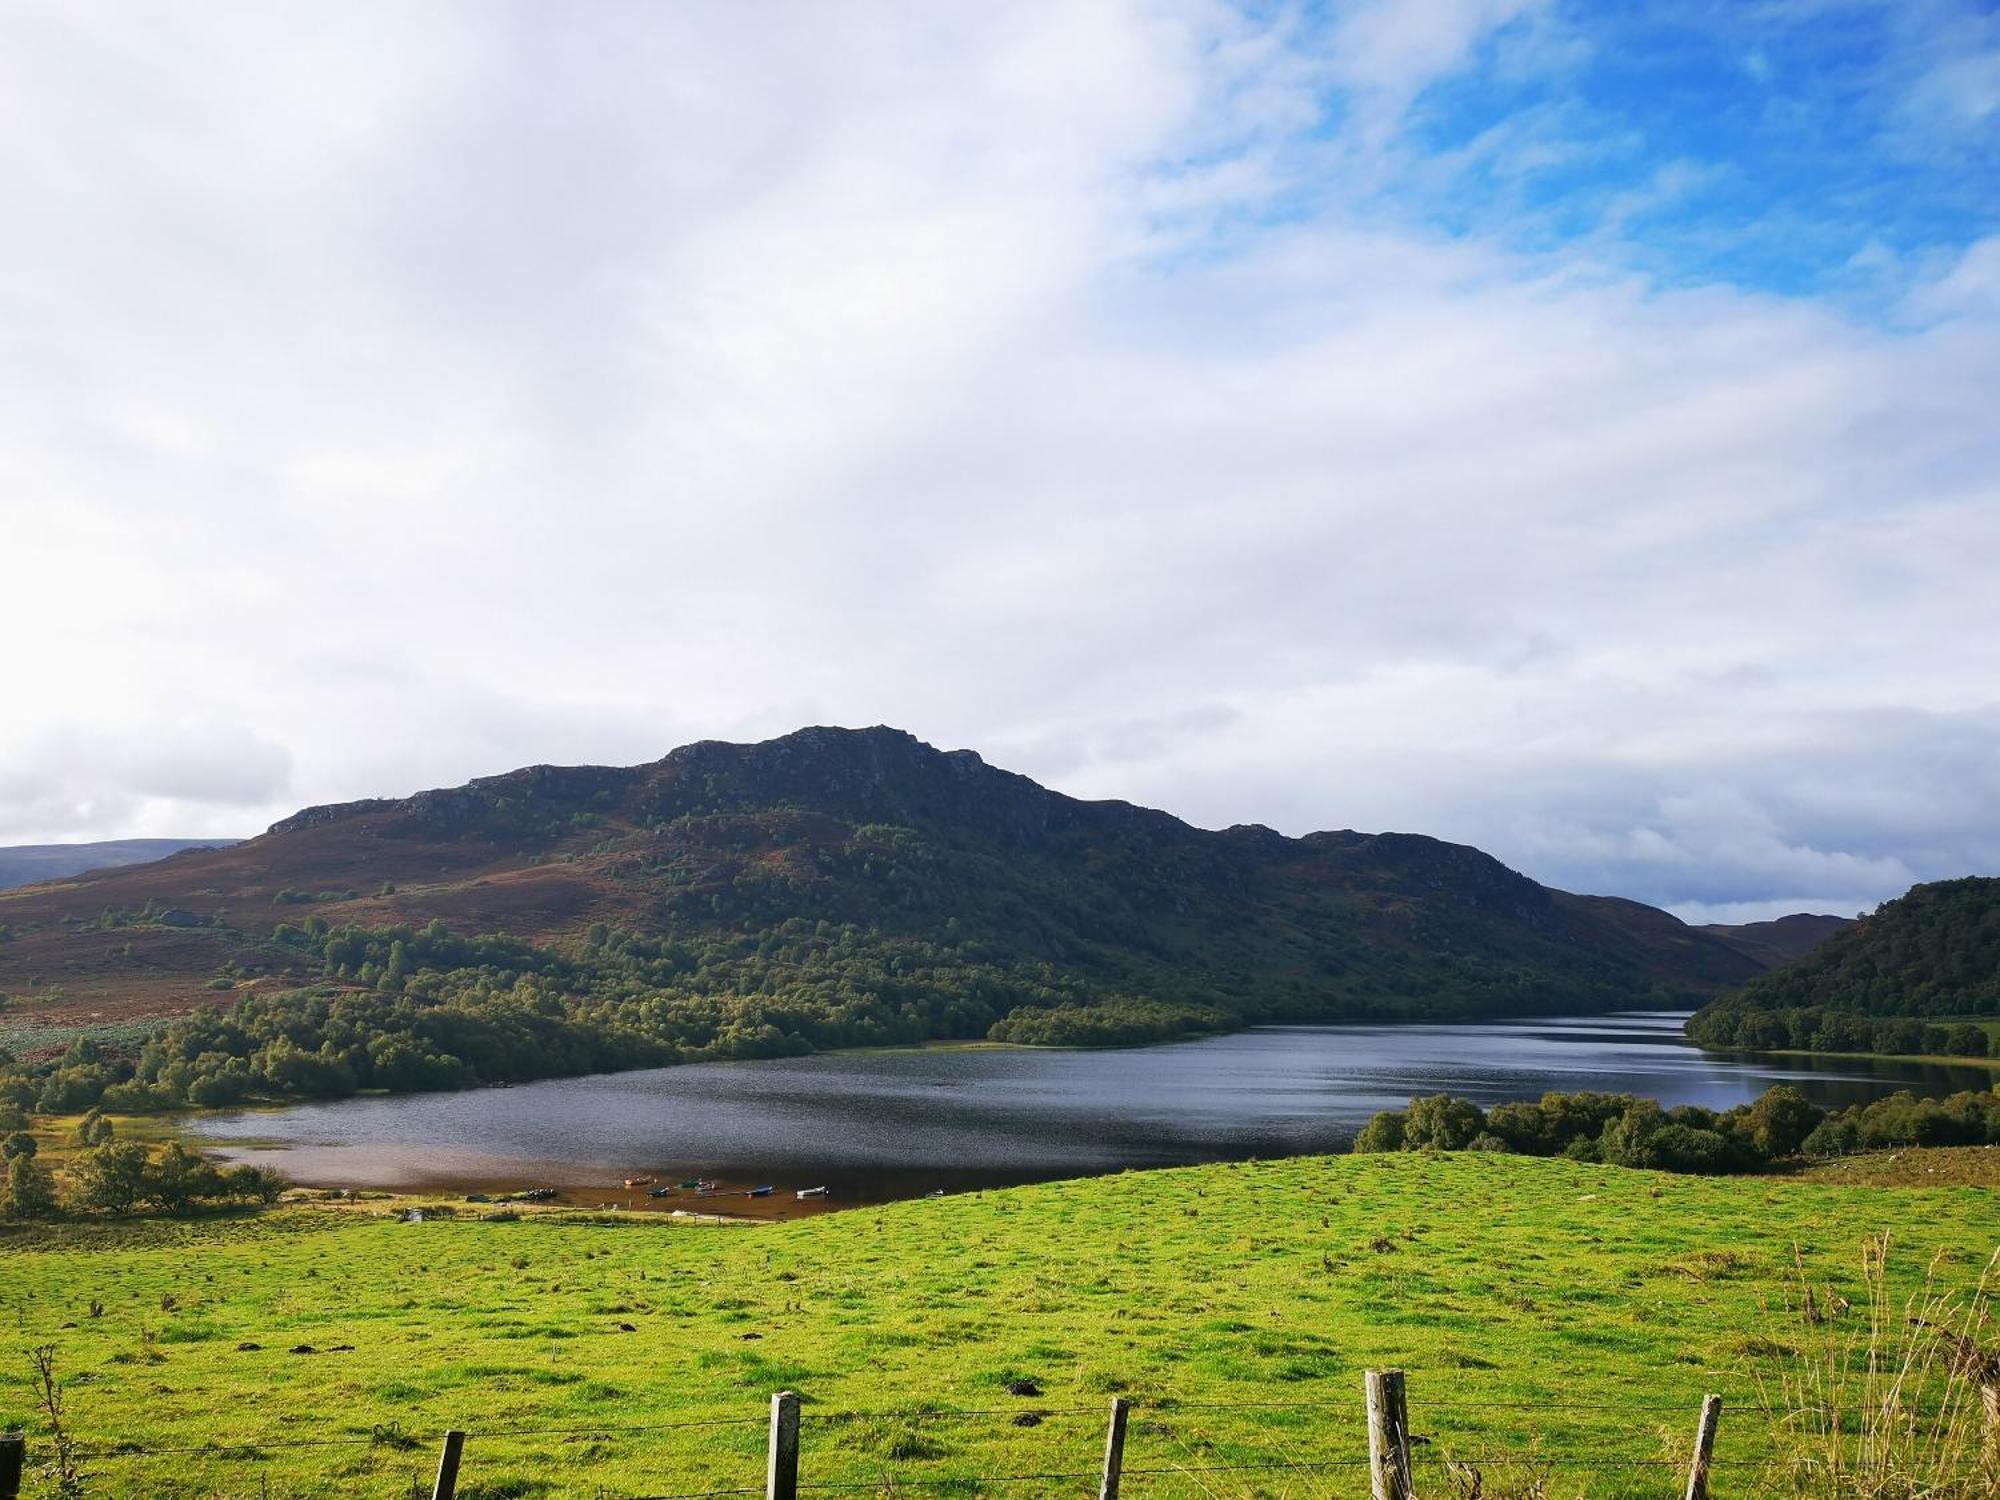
643,1179
692,1182
661,1192
935,1193
760,1192
818,1192
478,1197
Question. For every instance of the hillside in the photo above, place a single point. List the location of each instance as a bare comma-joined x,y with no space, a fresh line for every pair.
24,864
1538,1305
829,887
1779,941
1918,975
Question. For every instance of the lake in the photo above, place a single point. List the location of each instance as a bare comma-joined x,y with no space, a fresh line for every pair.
877,1125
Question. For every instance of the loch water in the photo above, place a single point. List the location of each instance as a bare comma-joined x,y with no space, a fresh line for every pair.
894,1123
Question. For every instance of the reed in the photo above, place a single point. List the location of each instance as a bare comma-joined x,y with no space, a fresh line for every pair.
1890,1398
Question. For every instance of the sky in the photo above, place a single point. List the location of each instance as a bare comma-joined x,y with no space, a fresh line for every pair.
1566,428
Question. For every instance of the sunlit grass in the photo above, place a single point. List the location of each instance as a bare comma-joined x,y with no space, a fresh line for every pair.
1496,1282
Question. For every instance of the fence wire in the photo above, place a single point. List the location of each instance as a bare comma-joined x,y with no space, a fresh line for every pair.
1431,1448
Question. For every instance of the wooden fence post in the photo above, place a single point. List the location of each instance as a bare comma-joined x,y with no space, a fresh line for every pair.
1114,1450
13,1458
1388,1437
1704,1447
781,1477
447,1481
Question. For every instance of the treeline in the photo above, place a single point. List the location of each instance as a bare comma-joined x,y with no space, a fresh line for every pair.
108,1175
1734,1023
1913,977
406,1009
1626,1131
1123,1022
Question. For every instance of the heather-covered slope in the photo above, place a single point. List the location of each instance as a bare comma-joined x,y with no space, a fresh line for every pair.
1781,940
832,887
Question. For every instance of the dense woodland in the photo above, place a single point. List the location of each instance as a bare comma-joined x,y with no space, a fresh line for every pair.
1916,977
1625,1131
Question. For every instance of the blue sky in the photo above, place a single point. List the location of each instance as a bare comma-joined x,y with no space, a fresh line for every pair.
1564,428
1808,149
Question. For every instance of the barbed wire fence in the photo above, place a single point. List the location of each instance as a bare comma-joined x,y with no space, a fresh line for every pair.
1399,1461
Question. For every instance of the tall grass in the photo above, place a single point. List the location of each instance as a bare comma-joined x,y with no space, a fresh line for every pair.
1891,1397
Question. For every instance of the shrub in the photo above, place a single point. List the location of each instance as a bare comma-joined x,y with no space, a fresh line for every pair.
111,1177
1383,1133
1442,1122
30,1190
1781,1120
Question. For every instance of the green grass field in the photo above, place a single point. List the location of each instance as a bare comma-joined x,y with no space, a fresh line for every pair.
1497,1282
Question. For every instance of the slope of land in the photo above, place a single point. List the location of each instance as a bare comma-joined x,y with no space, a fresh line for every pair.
1778,941
862,872
25,864
1496,1282
1919,975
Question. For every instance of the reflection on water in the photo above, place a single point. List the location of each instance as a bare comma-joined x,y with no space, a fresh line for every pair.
886,1124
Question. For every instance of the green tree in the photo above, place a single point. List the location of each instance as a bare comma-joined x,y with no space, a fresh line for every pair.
1626,1140
1781,1120
1967,1040
112,1177
30,1191
1383,1133
397,970
20,1143
1443,1122
178,1179
259,1183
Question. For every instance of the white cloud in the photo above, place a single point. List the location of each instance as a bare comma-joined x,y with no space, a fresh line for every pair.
438,392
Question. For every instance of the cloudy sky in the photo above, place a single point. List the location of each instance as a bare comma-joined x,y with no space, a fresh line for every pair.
1561,427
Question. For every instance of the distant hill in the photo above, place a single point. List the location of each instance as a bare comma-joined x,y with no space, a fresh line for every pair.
23,864
1779,941
831,887
1895,981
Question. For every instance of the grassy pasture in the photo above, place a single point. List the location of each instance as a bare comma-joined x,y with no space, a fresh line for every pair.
1492,1280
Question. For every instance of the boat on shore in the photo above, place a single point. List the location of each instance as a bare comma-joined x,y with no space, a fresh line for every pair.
761,1192
812,1192
641,1179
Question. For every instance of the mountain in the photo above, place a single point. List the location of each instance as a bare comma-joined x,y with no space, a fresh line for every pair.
1779,941
23,864
831,886
1914,977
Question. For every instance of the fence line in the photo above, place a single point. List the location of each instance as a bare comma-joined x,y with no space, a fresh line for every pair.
1392,1459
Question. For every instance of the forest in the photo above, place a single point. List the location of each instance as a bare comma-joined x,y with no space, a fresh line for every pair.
1918,976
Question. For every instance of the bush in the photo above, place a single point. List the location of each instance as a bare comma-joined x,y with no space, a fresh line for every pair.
1621,1130
1383,1133
1442,1122
30,1190
1687,1148
1781,1120
111,1177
